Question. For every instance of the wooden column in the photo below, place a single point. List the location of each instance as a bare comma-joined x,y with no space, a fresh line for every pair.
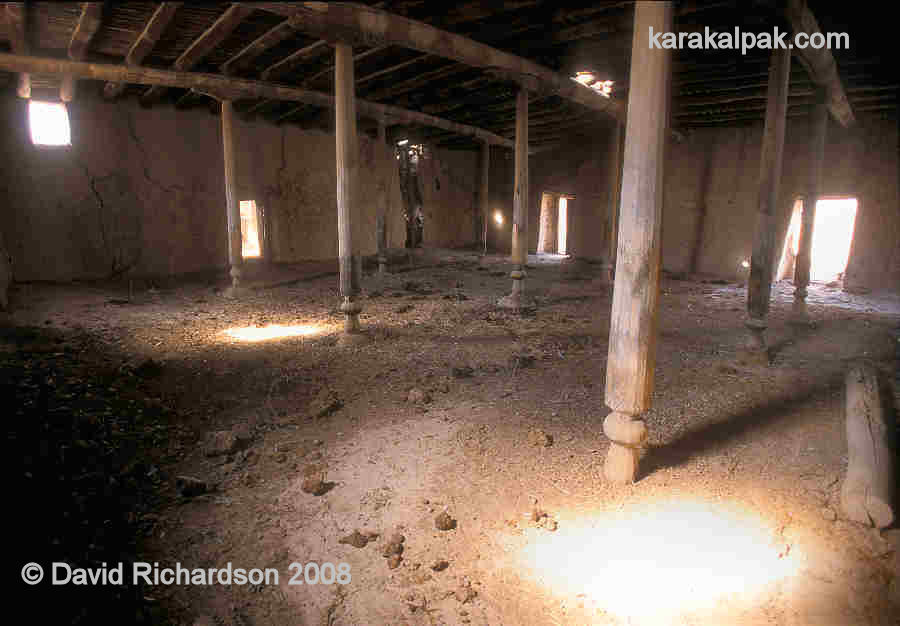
618,150
381,209
633,323
818,124
517,299
233,211
347,154
868,490
700,227
759,285
484,192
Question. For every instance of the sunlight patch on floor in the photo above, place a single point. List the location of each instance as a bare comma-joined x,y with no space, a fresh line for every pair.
660,559
272,331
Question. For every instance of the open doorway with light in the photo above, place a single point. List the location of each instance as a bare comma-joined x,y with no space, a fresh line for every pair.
562,231
831,240
250,239
554,223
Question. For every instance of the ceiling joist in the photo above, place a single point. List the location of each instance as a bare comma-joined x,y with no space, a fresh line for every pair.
204,44
144,43
15,15
85,29
367,26
232,88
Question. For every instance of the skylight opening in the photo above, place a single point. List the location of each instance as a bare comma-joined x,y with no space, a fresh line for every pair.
588,79
49,122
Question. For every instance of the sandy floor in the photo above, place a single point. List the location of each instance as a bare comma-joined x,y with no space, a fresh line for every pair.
448,407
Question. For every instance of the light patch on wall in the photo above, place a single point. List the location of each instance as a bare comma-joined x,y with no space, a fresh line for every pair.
498,217
49,123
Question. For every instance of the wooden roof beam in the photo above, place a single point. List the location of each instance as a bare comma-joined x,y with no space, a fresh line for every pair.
204,44
268,39
363,25
15,15
87,26
294,60
232,88
145,42
819,64
330,68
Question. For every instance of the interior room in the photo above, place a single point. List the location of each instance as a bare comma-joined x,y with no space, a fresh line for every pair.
489,312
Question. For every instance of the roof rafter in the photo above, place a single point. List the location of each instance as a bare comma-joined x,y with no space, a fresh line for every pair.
204,44
232,88
365,25
15,15
144,43
85,29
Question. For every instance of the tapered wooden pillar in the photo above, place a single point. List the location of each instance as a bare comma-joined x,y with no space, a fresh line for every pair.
235,249
633,323
818,127
347,183
518,299
381,209
759,285
618,150
484,192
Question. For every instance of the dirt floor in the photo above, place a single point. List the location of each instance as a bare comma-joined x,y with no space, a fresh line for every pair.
142,431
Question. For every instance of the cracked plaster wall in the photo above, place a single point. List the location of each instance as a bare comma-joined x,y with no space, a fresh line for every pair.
139,190
142,190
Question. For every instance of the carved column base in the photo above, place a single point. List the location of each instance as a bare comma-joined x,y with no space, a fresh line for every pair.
755,351
235,293
351,309
237,289
517,300
352,334
627,435
799,312
621,465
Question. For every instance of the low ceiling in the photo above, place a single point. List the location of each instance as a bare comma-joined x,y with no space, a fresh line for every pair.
710,88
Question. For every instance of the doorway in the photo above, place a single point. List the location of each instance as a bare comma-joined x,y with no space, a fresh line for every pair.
250,230
831,240
554,223
832,237
563,225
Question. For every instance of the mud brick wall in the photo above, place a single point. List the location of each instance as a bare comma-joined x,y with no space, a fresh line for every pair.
143,191
861,162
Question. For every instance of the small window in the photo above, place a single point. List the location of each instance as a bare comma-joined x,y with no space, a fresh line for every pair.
249,230
49,123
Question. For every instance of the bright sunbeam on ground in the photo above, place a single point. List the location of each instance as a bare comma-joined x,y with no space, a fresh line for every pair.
659,560
272,331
